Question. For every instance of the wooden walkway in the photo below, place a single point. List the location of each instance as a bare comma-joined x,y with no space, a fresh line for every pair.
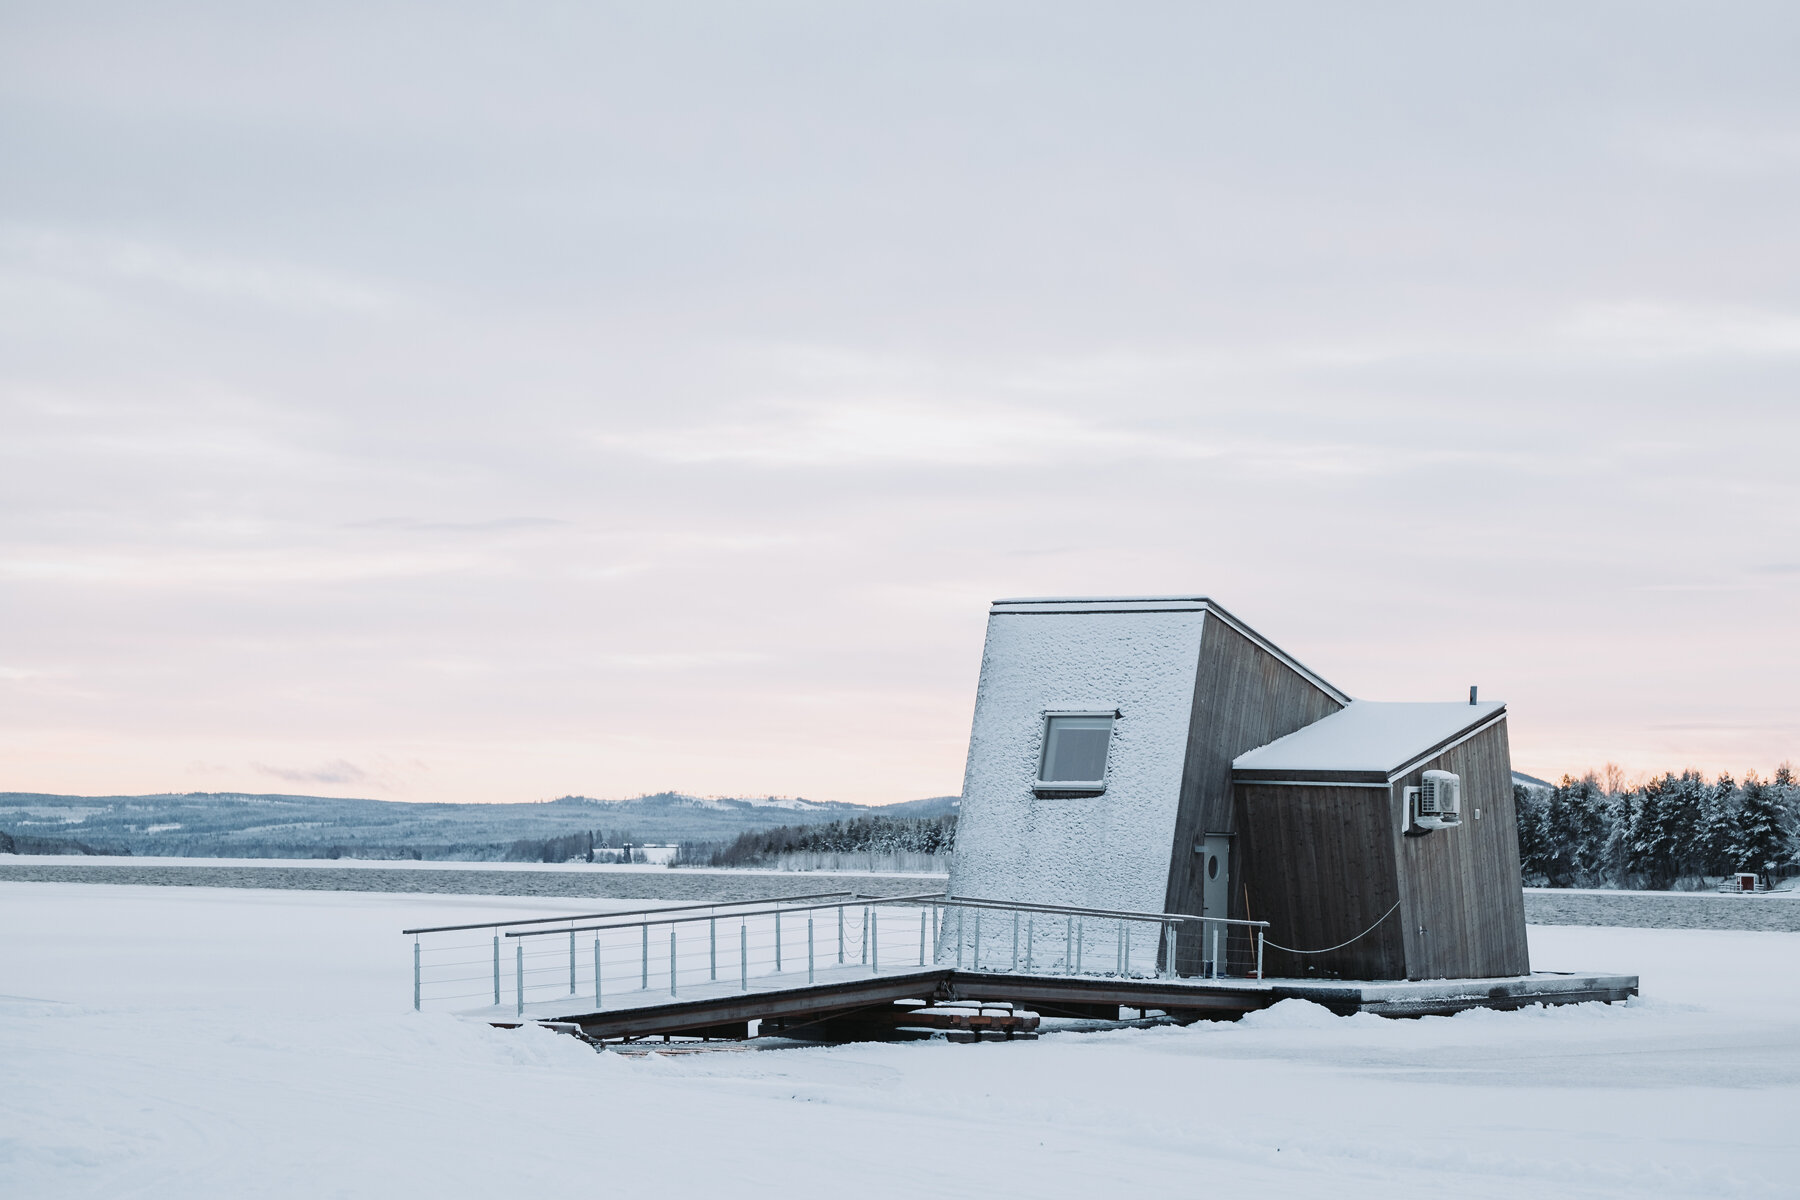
725,1010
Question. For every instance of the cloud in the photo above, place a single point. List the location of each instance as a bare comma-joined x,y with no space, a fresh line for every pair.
1652,330
493,525
337,771
265,281
870,432
253,567
1717,149
681,661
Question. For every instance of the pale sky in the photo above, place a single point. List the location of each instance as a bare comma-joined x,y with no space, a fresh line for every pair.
492,402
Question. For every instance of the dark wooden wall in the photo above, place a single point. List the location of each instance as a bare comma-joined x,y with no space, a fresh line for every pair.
1323,862
1244,697
1319,866
1463,907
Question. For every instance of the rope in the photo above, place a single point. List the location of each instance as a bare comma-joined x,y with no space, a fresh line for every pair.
1365,933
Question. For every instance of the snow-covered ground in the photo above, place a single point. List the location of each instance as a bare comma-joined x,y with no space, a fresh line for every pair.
193,1042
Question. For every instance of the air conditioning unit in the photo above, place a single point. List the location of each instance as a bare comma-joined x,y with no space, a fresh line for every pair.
1437,801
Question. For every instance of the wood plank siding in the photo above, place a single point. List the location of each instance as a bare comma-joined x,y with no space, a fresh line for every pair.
1319,866
1463,908
1244,697
1324,861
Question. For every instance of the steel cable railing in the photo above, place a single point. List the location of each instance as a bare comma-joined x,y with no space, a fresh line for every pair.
586,961
596,962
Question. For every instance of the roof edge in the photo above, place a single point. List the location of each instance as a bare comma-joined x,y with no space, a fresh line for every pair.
1076,605
1347,775
1449,743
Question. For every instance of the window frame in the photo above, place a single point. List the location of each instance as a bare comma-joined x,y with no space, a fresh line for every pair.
1074,787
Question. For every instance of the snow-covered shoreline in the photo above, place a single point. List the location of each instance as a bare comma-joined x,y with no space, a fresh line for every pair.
406,864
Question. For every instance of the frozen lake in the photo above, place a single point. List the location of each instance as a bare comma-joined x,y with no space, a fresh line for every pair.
563,880
198,1042
1543,906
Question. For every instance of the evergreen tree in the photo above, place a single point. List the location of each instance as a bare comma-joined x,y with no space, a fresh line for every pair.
1761,841
1529,808
1575,832
1718,827
1622,814
1666,832
1787,794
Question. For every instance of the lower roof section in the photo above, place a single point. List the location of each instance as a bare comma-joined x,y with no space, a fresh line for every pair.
1369,741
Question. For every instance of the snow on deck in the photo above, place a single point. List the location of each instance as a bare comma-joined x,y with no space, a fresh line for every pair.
1368,735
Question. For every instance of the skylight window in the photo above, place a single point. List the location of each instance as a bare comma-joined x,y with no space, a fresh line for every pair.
1075,748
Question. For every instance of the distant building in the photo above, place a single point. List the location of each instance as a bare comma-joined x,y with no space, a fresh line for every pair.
1155,754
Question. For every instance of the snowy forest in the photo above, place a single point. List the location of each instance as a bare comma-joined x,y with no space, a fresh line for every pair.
930,838
1676,831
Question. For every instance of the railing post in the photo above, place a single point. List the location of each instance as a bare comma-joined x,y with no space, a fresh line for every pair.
865,934
959,938
875,941
809,950
519,978
1015,960
671,958
1125,944
1168,950
496,970
712,948
644,978
1259,952
1030,937
1215,952
743,955
1069,947
415,974
597,1001
840,935
1080,942
571,962
924,922
975,950
778,941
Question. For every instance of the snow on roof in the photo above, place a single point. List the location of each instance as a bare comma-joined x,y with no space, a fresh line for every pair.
1104,604
1368,736
1115,605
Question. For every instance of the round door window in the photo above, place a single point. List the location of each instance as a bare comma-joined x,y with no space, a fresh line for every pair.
1212,866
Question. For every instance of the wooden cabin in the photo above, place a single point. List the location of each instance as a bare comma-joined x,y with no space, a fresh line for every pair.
1156,754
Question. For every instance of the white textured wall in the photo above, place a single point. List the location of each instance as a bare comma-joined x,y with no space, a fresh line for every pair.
1107,851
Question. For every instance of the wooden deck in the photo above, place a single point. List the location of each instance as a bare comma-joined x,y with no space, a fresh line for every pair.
724,1009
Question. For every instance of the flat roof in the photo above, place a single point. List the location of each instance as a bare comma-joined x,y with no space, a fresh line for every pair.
1365,740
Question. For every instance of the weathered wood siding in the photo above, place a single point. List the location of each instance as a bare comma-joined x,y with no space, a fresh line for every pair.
1323,862
1319,866
1244,697
1462,907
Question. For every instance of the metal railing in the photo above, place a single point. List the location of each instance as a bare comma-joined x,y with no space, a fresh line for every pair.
619,959
1059,939
626,959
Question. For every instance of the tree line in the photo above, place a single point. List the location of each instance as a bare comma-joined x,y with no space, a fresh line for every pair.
589,845
1659,834
873,834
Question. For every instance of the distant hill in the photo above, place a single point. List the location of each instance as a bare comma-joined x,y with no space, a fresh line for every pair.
240,825
1530,780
